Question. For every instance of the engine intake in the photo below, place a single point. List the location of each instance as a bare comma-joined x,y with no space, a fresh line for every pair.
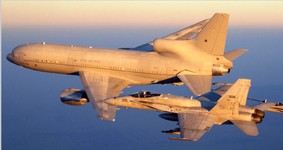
219,70
74,97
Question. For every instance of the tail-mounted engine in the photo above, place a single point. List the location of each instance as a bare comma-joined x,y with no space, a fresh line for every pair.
219,70
74,97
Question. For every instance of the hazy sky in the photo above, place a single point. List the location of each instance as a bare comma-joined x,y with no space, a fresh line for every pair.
157,13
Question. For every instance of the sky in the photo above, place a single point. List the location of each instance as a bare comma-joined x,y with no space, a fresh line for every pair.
33,117
138,14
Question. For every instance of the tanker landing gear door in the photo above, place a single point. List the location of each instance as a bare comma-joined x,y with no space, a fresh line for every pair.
70,63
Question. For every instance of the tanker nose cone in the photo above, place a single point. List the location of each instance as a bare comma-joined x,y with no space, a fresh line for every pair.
10,58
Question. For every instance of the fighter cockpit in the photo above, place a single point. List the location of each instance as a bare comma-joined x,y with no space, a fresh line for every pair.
145,94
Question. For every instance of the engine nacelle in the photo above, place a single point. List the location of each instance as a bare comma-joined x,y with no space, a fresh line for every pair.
74,97
219,70
251,110
169,116
259,113
256,118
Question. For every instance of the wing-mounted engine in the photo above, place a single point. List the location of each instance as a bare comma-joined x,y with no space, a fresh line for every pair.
169,116
74,97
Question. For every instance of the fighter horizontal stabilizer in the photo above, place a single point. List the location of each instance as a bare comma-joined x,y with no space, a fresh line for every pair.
278,108
264,106
234,54
198,84
248,127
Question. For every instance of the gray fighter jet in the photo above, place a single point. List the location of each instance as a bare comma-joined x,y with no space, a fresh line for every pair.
175,59
225,105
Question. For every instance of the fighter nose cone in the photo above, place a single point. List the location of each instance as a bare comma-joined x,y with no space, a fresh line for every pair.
110,101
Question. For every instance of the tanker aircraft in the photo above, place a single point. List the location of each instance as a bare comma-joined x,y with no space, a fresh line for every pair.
177,58
225,105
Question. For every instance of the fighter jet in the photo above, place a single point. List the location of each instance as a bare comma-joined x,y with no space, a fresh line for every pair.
177,58
225,105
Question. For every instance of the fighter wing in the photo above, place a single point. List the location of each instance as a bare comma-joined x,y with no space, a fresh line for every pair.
99,87
198,84
194,124
184,34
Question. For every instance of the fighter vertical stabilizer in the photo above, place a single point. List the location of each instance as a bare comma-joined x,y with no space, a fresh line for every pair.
227,108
